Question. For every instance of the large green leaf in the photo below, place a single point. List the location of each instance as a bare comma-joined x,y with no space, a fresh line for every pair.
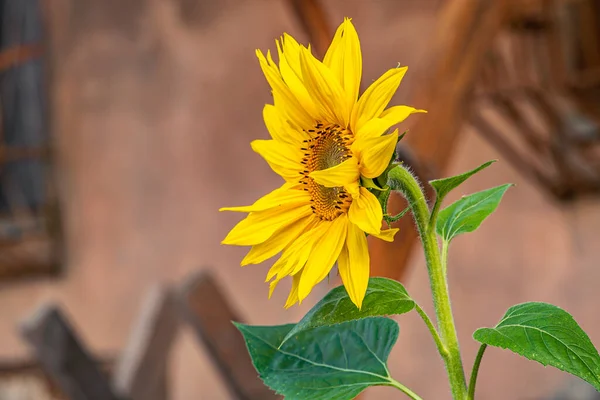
547,334
384,297
327,363
445,185
466,214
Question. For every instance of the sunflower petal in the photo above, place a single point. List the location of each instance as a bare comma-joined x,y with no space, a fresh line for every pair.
279,128
342,174
283,159
390,117
354,265
365,212
291,49
344,59
325,89
386,234
375,153
285,195
293,296
323,256
276,243
294,257
282,94
293,77
260,226
374,100
272,285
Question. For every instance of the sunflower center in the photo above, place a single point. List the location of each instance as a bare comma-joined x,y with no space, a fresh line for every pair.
328,146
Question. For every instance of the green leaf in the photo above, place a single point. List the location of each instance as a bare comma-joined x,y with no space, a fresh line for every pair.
466,214
547,334
384,297
445,185
327,363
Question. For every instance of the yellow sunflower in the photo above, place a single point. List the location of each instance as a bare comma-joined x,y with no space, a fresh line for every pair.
325,138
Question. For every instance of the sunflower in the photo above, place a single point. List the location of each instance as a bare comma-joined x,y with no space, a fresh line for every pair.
325,142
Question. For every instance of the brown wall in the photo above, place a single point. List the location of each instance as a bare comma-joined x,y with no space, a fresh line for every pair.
154,103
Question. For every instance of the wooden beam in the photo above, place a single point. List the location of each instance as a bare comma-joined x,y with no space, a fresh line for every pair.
311,15
64,357
205,308
141,372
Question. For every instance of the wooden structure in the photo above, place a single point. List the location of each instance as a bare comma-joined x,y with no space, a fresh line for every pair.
141,371
540,85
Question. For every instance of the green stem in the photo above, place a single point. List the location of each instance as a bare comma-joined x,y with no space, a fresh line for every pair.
436,337
475,371
401,179
434,214
404,389
444,256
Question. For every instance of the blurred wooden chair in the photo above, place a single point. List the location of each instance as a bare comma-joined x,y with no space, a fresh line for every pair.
141,370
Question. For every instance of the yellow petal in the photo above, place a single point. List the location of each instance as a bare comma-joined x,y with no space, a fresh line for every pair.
293,78
387,234
365,212
282,94
293,296
279,128
291,49
345,173
344,59
294,257
353,189
376,98
390,117
375,153
285,195
259,226
276,243
323,256
325,89
353,265
283,159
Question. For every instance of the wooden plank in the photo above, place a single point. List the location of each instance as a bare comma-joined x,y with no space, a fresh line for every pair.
463,37
141,372
495,138
512,112
64,357
205,308
19,54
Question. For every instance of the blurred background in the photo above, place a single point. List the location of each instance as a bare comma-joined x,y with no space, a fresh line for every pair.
125,125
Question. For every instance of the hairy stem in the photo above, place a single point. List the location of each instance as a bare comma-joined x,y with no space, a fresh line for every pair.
434,333
444,256
402,180
475,371
434,214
